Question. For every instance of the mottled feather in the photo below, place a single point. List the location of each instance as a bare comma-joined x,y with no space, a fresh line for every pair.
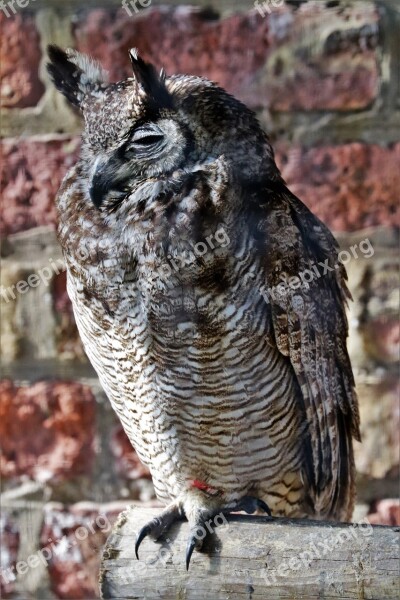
178,232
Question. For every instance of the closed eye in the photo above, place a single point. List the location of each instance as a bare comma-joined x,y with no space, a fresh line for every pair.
149,135
151,138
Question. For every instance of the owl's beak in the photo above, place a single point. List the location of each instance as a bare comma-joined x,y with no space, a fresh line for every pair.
104,180
97,193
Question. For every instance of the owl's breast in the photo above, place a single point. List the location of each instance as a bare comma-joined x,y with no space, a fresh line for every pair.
192,373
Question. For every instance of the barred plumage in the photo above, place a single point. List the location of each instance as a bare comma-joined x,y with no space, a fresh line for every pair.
182,243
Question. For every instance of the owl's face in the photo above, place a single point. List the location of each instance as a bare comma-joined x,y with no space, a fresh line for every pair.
150,129
128,140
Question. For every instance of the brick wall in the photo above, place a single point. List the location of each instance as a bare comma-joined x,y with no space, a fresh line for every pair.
323,79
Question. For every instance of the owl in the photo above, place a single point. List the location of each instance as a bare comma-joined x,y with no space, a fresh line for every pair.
209,299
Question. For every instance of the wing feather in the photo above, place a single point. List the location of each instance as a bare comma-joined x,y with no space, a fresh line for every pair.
310,327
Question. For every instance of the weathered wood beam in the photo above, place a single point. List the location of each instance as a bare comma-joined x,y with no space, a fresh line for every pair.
253,557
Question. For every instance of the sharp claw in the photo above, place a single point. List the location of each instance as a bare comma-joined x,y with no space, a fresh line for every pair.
141,535
250,504
264,506
189,551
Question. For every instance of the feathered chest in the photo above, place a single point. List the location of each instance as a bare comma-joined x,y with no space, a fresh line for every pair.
191,292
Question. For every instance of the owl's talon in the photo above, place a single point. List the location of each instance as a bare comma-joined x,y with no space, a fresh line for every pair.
193,542
157,526
264,506
189,551
145,531
250,505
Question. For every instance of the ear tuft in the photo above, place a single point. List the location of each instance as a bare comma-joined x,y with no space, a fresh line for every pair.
152,82
75,75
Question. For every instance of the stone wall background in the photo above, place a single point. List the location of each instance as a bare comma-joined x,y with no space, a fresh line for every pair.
323,77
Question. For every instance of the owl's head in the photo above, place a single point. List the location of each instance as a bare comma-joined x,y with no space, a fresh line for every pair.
149,127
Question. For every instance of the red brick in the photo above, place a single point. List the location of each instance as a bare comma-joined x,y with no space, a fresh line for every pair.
182,40
126,460
74,537
20,56
47,430
385,512
349,187
292,59
9,544
30,175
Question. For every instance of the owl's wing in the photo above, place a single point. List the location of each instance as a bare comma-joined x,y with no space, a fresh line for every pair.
310,327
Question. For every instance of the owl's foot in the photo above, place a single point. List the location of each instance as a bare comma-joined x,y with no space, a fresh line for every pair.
157,526
248,504
200,524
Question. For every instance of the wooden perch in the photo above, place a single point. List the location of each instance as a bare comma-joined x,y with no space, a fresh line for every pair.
253,557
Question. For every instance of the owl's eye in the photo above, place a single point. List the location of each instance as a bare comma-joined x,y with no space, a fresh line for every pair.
145,137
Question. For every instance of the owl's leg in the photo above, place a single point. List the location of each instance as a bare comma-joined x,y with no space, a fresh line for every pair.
157,526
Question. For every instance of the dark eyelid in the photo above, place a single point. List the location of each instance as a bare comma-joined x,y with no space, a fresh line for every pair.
149,138
151,134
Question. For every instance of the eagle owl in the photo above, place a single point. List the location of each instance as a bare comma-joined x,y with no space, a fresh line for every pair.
210,300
